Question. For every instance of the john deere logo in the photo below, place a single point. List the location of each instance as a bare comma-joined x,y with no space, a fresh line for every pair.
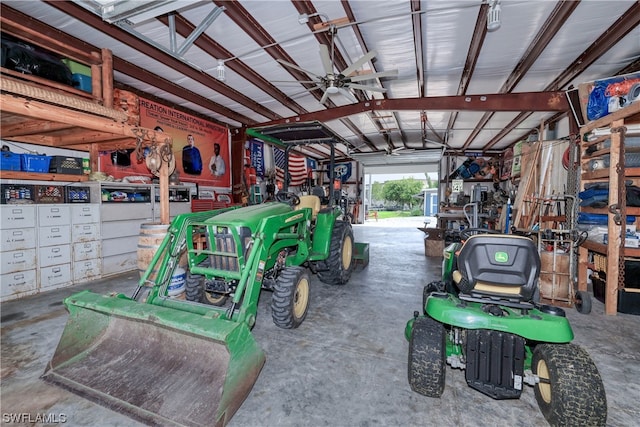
501,257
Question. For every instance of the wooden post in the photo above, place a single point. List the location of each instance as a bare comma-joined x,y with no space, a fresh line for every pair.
107,78
96,78
94,154
613,230
582,268
164,193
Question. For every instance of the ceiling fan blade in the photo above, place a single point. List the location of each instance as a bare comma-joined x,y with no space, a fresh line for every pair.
326,59
347,95
324,98
366,58
295,67
309,82
304,92
390,73
369,88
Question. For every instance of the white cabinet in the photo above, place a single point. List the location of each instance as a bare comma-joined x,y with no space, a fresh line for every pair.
86,249
14,239
54,246
120,229
124,208
17,251
48,246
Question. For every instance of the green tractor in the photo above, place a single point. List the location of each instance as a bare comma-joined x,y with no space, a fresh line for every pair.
484,317
193,361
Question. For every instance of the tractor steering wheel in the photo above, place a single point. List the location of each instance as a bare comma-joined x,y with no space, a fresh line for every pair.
468,232
287,197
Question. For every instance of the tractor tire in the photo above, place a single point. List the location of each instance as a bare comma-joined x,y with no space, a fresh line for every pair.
194,289
339,263
290,299
570,391
427,358
583,302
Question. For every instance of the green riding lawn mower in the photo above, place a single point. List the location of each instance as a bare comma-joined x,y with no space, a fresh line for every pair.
484,317
193,361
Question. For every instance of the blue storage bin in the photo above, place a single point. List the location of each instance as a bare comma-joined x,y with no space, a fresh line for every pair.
599,219
82,82
9,161
34,163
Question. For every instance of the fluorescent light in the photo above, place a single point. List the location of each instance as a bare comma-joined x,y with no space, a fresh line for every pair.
493,15
303,18
221,71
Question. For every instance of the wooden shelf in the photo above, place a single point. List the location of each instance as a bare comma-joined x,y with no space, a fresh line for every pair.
34,176
614,252
49,84
630,210
601,248
604,173
626,113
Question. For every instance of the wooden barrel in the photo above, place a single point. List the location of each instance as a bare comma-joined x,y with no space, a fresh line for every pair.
151,236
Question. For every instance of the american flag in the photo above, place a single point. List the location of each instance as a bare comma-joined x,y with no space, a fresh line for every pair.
297,167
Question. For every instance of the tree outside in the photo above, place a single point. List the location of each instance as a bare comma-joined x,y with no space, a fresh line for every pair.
402,191
377,193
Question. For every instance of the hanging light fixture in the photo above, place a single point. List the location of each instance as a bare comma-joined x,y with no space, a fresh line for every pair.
221,71
493,15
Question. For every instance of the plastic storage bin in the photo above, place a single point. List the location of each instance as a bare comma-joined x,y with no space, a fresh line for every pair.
77,68
49,194
10,161
34,163
82,82
17,193
66,165
78,195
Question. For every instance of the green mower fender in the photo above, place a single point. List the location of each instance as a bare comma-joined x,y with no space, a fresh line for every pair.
533,325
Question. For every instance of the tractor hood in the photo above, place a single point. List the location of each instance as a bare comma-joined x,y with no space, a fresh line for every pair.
250,216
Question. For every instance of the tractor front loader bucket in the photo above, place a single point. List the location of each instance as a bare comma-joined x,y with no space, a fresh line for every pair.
160,365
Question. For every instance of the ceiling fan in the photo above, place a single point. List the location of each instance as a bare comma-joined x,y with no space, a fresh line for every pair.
333,83
396,151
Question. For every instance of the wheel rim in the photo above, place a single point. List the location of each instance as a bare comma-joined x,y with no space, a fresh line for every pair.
544,387
578,301
301,298
214,298
347,253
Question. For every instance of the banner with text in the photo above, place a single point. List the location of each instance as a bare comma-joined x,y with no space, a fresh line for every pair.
201,148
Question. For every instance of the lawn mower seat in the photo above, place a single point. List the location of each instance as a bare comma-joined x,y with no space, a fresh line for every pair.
309,201
499,268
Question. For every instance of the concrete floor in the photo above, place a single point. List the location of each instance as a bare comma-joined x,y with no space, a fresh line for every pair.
346,365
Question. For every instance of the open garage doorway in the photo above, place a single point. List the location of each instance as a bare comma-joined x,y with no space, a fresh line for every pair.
420,179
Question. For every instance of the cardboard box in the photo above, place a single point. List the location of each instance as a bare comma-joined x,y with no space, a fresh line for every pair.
554,279
433,247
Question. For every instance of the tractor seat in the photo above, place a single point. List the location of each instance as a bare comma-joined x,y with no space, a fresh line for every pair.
498,268
312,202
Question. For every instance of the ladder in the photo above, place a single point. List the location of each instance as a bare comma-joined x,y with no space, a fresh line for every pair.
256,195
